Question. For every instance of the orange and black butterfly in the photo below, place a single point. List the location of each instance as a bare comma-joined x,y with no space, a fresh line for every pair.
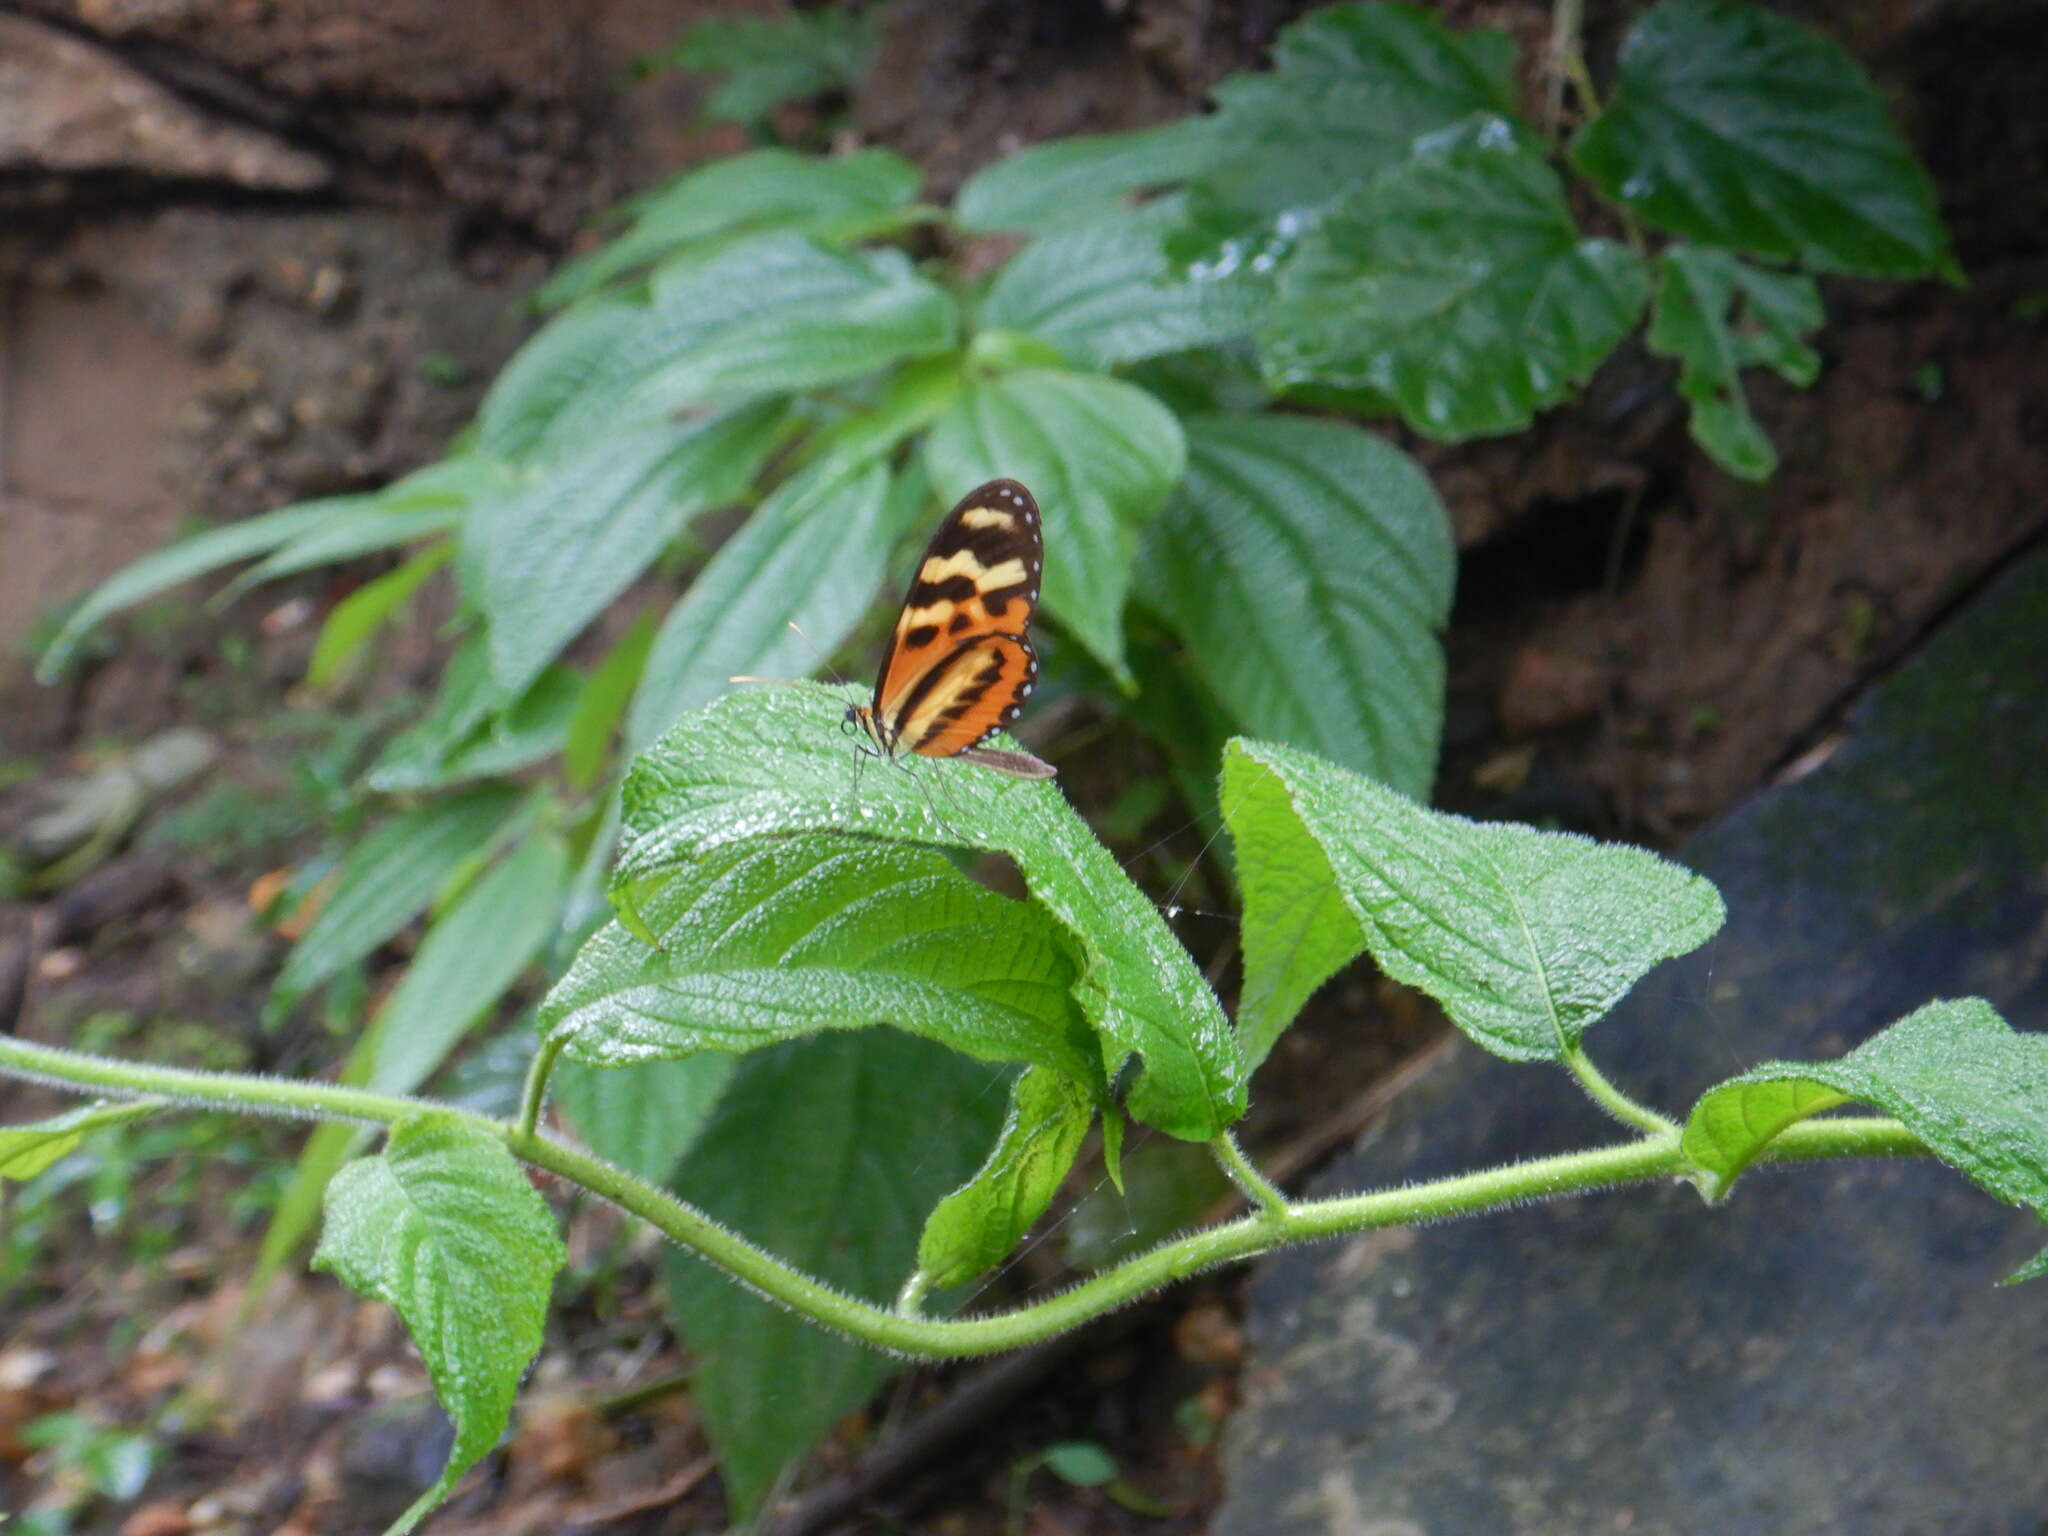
959,667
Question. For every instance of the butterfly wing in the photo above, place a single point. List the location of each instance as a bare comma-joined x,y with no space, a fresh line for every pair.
959,666
979,688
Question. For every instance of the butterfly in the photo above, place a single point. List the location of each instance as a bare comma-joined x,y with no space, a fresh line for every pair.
959,667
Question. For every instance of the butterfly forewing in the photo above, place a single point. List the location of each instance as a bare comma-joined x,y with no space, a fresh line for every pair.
959,666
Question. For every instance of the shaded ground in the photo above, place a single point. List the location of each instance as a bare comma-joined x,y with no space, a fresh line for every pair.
187,328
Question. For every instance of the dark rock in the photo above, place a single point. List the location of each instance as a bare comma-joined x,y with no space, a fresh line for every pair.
1827,1352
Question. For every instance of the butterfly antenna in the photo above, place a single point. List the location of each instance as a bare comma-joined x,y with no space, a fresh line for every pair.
824,661
816,655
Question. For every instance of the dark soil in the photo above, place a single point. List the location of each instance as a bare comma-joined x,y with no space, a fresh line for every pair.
1639,642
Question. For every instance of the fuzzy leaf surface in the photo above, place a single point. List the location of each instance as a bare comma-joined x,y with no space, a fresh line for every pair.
445,1228
1526,938
759,942
773,762
1954,1073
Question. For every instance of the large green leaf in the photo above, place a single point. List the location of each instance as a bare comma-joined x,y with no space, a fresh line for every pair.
764,189
560,363
1743,128
1084,176
774,762
548,560
974,1228
827,1153
1456,286
26,1150
426,502
1308,566
1526,938
1955,1073
812,555
445,1227
764,316
1718,315
1104,293
644,1117
1353,89
180,562
468,960
1100,455
758,942
387,878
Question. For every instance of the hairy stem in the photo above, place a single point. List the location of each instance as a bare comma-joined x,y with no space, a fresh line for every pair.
1612,1099
1258,1189
1650,1158
534,1097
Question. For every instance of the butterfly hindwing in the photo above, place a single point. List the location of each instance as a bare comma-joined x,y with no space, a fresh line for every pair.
979,687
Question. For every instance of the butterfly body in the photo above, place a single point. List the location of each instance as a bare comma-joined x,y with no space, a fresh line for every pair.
960,666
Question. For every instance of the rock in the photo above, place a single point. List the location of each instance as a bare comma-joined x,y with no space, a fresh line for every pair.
1825,1353
105,804
68,107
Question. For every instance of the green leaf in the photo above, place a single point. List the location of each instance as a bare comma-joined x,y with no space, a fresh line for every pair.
775,59
764,189
436,754
1526,938
1084,176
1954,1073
428,501
364,611
468,960
2033,1269
1739,127
1103,292
1308,565
974,1229
1099,454
865,1132
1081,1463
644,1117
26,1150
603,704
385,881
180,562
461,706
759,942
446,1229
765,316
774,762
1457,286
551,558
1696,321
813,555
1353,90
557,365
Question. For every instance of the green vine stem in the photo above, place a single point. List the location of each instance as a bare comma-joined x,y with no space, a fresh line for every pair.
1612,1099
534,1096
1263,1194
1647,1159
